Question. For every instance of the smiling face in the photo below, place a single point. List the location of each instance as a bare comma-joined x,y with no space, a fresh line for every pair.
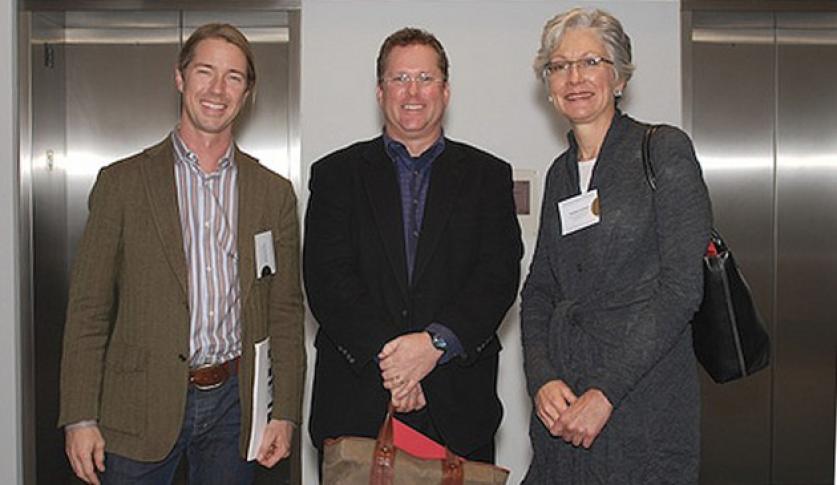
413,111
584,95
213,87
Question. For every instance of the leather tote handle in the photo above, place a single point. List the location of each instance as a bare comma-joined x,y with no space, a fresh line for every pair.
452,473
383,460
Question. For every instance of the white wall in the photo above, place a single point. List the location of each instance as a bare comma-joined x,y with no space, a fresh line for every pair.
496,104
10,455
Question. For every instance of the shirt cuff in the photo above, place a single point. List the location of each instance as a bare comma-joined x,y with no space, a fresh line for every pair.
454,347
81,424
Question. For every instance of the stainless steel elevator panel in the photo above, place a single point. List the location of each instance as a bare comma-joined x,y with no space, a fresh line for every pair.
49,235
28,425
764,115
102,88
806,194
732,119
119,95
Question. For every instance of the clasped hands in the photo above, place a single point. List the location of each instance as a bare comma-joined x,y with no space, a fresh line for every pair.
576,420
404,361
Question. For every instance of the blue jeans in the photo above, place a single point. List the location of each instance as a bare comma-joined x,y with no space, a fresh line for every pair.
209,440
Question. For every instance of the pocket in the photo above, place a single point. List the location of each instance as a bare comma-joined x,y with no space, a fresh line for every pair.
124,389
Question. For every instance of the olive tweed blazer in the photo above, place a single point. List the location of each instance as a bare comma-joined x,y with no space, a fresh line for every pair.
126,339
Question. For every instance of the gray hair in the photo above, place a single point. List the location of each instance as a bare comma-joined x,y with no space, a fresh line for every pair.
609,29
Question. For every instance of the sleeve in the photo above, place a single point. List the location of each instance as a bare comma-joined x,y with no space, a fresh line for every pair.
286,327
540,292
337,294
475,313
92,302
454,348
683,218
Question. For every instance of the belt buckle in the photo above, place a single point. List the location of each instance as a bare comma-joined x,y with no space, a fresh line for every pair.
210,387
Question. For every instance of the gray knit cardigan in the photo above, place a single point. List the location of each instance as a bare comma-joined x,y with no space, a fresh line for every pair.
609,306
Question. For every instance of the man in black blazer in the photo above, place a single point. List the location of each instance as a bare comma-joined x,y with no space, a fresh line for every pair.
411,260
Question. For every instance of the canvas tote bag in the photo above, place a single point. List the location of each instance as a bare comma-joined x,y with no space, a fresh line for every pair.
352,460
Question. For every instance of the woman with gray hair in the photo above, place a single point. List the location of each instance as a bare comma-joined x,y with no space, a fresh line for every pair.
615,278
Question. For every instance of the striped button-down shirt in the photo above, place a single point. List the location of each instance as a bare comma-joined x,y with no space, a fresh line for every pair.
208,205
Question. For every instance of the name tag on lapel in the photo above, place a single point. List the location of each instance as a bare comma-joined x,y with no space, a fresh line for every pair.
265,256
579,212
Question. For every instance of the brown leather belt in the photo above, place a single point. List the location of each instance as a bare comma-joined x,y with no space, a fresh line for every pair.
209,377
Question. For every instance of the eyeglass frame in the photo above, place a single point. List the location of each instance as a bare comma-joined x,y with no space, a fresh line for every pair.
422,80
583,64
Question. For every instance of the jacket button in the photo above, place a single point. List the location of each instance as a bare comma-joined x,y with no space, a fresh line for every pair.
404,313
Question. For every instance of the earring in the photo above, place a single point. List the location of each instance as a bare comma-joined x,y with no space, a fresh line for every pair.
550,99
617,92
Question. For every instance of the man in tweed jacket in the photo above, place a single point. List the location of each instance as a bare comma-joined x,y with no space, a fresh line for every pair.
172,287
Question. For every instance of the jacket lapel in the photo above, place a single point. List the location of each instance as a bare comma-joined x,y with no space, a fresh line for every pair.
249,214
158,176
445,179
609,167
382,189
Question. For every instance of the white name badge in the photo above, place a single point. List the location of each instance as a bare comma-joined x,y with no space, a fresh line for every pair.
265,258
579,212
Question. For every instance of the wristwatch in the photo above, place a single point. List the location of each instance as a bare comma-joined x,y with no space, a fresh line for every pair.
438,341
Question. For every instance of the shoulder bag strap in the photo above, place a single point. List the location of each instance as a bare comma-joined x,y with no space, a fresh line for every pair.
650,177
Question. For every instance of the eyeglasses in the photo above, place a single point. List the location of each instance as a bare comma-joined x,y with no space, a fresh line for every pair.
585,64
422,79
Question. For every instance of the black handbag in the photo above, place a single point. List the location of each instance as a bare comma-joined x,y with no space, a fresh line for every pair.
730,339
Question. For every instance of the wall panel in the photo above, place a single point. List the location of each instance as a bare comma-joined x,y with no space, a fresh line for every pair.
806,177
763,114
732,117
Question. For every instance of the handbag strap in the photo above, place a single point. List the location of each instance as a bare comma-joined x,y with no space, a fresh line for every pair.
716,242
650,176
452,472
383,460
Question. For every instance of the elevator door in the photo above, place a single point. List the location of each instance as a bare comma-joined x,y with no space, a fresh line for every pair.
102,88
806,270
763,116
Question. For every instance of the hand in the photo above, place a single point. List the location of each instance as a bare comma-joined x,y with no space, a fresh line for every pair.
276,442
552,399
405,361
412,402
584,420
85,447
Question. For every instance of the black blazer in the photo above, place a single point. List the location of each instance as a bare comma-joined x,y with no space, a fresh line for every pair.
466,275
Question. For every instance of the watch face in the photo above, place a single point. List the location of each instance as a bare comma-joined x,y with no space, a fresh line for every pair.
439,342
